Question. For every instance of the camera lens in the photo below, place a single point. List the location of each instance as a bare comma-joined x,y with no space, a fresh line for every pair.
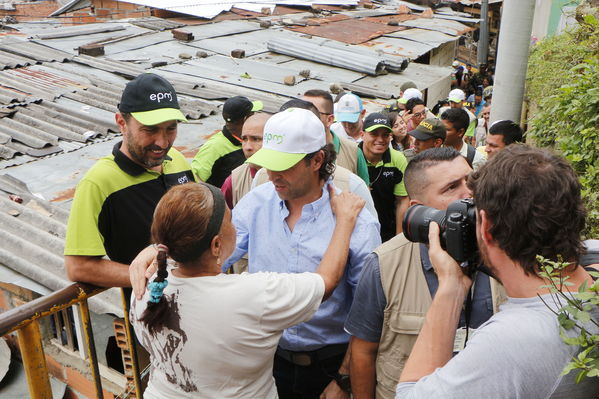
417,220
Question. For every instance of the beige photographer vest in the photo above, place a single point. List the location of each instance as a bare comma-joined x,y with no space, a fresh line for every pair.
241,182
348,155
408,300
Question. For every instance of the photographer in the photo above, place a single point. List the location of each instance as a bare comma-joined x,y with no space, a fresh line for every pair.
398,283
528,204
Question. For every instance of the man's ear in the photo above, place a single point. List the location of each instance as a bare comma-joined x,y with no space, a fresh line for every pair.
317,161
120,122
438,142
414,202
485,227
330,120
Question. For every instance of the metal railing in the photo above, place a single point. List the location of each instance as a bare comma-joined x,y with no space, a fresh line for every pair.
24,320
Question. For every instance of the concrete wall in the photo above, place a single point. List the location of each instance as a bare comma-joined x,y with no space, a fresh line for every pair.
444,54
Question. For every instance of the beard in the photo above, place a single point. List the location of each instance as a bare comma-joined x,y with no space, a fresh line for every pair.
484,256
142,156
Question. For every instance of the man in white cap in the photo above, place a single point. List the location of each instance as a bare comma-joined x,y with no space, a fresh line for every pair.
285,226
456,100
349,113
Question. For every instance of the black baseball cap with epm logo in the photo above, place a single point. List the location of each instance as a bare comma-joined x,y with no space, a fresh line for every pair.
239,107
151,100
376,120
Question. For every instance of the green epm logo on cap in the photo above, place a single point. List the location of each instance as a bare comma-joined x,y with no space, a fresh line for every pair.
276,138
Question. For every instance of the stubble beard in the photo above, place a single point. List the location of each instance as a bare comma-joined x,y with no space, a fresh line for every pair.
138,155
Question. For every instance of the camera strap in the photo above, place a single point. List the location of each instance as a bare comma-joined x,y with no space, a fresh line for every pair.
468,306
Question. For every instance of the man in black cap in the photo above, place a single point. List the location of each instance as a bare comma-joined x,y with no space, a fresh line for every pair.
114,202
386,168
430,133
222,153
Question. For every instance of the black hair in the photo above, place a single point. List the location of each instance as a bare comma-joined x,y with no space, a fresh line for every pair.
415,179
299,103
458,117
328,164
437,107
325,95
412,102
510,131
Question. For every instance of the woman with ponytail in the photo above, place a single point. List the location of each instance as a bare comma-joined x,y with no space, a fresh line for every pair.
214,335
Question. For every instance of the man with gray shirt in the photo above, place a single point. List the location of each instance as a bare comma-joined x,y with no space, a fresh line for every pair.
518,353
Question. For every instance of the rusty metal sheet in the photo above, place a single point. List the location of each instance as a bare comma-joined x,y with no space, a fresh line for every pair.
349,31
384,19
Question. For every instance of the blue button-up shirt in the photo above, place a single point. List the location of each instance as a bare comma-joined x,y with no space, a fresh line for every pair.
263,233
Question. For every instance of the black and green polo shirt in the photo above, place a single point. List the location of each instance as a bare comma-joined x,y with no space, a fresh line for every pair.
114,204
217,158
386,183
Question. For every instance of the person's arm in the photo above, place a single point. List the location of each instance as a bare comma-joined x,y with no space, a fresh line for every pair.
362,368
202,163
434,345
85,269
401,206
346,207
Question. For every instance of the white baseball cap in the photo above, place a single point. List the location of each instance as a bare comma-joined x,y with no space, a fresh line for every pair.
288,137
456,96
348,108
455,64
410,94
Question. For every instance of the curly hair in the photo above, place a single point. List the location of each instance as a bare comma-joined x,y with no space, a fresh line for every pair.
533,202
328,165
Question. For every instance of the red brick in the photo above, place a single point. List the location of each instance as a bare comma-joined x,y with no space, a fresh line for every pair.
103,12
84,386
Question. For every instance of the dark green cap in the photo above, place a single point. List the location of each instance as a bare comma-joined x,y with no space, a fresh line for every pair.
430,128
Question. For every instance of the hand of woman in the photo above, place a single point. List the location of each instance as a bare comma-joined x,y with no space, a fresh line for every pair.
141,269
345,206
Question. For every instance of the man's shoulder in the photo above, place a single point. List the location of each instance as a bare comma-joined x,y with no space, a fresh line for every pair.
347,143
103,171
396,244
178,161
398,158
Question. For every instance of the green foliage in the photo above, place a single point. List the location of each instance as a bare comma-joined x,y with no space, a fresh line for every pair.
574,316
563,76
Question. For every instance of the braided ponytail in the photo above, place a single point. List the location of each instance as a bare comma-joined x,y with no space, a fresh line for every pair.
159,306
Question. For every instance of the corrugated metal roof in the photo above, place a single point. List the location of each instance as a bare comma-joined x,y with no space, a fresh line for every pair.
76,112
424,36
32,235
440,25
15,52
37,82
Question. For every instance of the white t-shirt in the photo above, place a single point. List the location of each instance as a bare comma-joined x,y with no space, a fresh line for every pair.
339,130
223,333
517,353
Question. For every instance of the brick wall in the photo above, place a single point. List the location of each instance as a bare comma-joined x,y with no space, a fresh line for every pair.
31,11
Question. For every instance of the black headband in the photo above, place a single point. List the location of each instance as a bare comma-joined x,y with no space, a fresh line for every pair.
216,219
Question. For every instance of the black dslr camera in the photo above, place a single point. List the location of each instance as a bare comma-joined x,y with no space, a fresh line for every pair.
457,224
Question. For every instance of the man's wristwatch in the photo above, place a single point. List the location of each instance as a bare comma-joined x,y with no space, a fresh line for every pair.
343,381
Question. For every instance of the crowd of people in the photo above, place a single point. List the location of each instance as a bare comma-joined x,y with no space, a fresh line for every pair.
278,266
